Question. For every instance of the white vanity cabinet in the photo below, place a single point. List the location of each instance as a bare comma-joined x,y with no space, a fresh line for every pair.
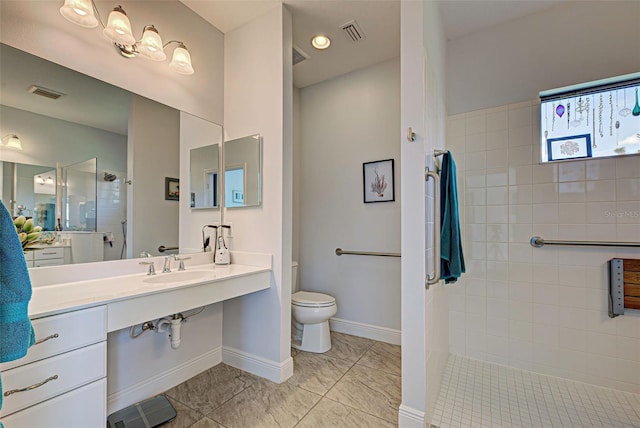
48,256
62,379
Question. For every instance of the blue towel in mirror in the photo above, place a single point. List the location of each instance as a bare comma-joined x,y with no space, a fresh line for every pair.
452,258
16,331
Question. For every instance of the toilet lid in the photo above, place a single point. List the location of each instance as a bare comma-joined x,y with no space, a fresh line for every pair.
306,298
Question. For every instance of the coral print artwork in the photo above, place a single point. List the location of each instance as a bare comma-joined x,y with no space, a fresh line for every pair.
378,181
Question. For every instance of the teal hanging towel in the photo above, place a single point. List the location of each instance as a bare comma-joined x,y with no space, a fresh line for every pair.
16,331
452,259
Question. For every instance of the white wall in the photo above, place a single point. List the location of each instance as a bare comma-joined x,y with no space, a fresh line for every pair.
422,109
345,122
258,99
38,28
541,309
570,43
153,154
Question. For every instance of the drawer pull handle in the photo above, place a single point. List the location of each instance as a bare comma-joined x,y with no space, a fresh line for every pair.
49,254
53,336
29,388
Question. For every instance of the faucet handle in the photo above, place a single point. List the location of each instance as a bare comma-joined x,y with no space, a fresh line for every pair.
152,267
181,260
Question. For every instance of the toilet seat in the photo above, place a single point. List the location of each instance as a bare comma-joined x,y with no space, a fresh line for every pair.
308,299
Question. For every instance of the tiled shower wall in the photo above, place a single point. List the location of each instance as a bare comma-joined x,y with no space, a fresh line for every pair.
541,309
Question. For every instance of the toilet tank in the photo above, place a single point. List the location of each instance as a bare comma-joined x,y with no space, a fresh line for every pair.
294,277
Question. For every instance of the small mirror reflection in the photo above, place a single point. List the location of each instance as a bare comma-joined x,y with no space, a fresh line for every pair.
242,172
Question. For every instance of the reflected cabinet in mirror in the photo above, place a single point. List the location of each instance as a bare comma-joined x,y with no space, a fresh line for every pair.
242,172
204,165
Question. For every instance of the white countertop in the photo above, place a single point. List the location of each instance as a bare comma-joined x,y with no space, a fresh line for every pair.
63,297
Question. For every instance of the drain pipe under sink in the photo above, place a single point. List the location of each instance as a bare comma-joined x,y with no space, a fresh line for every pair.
172,326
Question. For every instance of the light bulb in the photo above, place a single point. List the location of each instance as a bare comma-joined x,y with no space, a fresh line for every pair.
80,12
151,44
118,28
181,61
320,42
12,142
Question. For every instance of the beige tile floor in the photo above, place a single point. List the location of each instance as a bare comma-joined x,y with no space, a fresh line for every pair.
355,384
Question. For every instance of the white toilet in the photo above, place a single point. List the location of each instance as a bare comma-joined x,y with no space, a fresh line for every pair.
310,315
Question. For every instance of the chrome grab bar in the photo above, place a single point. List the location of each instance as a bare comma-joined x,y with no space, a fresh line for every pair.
162,248
430,280
340,251
538,242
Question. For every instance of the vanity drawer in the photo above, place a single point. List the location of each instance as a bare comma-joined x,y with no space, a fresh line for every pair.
48,253
48,262
55,376
81,408
64,332
28,256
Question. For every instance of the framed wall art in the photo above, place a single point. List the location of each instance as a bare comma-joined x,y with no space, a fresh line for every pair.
378,181
171,189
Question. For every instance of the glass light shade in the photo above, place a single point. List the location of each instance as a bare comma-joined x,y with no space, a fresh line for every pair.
181,61
12,142
151,44
80,12
320,42
118,28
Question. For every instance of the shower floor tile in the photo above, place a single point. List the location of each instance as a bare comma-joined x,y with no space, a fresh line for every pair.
479,394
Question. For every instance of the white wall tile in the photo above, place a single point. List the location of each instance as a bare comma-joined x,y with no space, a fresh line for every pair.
497,176
498,214
572,191
601,169
571,171
628,189
497,121
627,167
475,124
520,117
545,314
541,308
545,193
601,190
521,174
498,195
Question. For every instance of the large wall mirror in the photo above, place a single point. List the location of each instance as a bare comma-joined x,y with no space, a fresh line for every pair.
242,172
135,141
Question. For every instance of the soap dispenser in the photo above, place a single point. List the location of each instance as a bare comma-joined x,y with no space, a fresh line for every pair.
222,256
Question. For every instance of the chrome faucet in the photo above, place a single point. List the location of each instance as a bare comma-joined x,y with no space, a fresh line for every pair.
181,260
167,264
152,268
145,254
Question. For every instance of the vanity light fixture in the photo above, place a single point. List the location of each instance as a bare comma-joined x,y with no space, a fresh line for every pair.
320,42
12,142
118,29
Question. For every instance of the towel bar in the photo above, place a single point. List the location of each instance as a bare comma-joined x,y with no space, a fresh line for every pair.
538,242
340,251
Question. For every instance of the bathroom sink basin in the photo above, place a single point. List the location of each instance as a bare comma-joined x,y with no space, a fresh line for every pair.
187,275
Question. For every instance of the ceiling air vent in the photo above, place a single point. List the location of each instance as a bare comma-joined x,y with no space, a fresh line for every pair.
44,92
353,31
298,55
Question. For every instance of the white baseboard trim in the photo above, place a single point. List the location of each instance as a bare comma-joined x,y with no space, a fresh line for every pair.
163,381
259,366
381,334
411,418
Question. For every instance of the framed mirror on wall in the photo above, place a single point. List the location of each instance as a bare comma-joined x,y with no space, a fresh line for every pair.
243,172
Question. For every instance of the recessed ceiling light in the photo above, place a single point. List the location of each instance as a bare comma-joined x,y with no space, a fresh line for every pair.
320,42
